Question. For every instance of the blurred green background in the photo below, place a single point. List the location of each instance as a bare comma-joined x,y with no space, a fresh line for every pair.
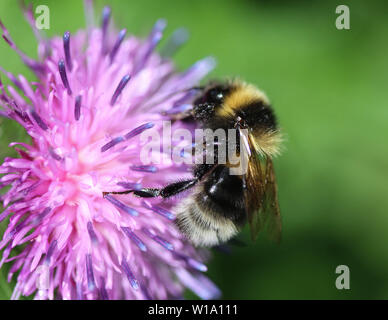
330,91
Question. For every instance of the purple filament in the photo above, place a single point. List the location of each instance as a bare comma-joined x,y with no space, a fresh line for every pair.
130,276
42,215
195,264
128,136
179,109
177,39
91,232
151,169
66,47
77,107
51,250
139,130
153,39
62,72
54,155
27,190
161,211
103,292
118,43
12,78
121,206
80,295
106,12
8,41
23,116
89,272
45,212
119,89
39,120
112,143
165,244
134,238
129,185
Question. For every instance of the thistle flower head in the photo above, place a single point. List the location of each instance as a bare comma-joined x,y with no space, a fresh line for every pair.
97,91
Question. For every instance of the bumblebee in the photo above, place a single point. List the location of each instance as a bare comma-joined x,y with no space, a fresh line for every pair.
221,203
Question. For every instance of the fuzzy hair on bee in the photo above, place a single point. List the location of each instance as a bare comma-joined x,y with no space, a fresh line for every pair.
200,224
221,203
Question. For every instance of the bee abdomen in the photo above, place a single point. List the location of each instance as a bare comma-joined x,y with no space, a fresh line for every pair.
223,195
202,227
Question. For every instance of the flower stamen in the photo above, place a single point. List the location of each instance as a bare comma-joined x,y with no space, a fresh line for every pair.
50,251
130,185
66,47
91,232
161,211
39,121
112,143
77,107
117,45
121,205
164,243
89,272
176,41
106,12
132,236
139,130
103,292
132,280
119,89
151,169
62,72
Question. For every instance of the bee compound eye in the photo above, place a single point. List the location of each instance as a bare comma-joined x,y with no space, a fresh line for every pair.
215,95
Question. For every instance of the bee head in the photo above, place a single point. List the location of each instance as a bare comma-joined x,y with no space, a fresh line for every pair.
211,99
216,94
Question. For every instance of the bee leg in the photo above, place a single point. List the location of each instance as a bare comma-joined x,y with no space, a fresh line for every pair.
144,193
121,192
168,191
173,188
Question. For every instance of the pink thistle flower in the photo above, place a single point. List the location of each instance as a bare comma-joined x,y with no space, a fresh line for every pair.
97,90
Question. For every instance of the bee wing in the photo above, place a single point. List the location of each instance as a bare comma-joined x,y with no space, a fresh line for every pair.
271,202
260,192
